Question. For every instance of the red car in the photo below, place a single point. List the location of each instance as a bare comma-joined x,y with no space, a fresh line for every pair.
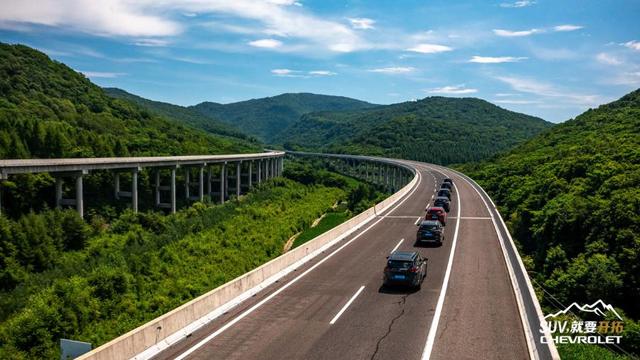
436,213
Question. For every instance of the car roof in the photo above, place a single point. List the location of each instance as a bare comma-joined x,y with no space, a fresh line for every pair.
403,255
445,189
437,208
429,222
442,198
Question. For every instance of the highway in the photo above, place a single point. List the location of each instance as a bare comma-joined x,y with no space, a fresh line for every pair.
333,307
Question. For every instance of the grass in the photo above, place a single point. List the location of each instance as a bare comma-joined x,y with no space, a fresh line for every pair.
331,220
588,352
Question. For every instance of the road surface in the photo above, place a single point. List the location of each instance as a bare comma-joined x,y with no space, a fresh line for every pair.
335,308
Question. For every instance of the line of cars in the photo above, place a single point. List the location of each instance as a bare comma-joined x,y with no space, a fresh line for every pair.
409,267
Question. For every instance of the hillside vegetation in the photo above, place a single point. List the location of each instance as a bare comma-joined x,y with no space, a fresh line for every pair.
436,129
187,116
61,277
48,110
265,118
571,197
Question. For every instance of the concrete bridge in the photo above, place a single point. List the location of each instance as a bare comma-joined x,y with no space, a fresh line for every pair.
215,176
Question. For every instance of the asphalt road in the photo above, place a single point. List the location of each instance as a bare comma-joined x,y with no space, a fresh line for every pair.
335,308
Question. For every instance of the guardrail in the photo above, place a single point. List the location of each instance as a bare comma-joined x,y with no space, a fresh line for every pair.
149,339
530,310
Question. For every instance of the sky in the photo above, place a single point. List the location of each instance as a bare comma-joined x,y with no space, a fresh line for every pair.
549,58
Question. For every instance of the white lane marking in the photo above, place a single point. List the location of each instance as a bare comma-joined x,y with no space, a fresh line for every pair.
514,283
293,281
335,318
426,354
472,218
398,245
399,216
419,219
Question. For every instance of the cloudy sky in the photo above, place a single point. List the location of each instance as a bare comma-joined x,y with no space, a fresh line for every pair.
550,58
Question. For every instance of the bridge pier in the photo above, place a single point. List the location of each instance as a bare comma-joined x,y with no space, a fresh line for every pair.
250,174
259,166
133,194
238,179
223,188
78,201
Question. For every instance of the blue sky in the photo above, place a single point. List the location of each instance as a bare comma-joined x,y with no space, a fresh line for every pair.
549,58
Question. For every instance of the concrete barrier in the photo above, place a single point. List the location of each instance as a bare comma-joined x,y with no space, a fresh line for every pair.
149,339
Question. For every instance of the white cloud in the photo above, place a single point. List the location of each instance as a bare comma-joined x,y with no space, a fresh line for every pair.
509,33
429,48
567,27
105,17
452,90
152,18
633,45
282,72
495,60
518,4
266,43
100,74
322,73
517,102
394,70
608,59
151,42
544,89
362,23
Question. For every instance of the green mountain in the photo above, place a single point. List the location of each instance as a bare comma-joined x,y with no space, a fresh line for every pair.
267,117
183,114
571,197
435,129
49,110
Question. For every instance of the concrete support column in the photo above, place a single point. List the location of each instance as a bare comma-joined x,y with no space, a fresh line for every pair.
187,173
134,190
238,177
116,181
223,179
259,171
173,190
59,183
79,195
201,183
209,181
250,173
157,187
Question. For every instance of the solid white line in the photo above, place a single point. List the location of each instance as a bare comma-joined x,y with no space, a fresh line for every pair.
293,281
335,318
419,219
426,354
397,246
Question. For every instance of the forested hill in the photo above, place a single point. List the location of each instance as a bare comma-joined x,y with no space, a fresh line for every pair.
435,129
267,117
185,115
49,110
571,197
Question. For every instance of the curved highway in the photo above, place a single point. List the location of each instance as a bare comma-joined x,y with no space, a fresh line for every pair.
334,307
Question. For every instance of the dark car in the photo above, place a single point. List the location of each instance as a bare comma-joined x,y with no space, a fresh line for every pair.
448,180
443,202
406,268
430,231
446,185
436,213
445,192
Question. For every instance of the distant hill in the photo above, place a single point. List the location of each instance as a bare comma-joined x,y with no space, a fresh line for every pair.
49,110
267,117
435,129
571,197
182,114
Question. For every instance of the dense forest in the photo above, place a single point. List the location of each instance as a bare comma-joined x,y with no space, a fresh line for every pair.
47,110
63,277
185,115
435,129
265,118
571,198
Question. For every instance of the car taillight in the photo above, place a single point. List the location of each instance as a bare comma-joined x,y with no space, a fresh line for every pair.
414,269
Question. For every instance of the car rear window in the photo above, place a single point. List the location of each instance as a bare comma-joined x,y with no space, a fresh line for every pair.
427,227
396,264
